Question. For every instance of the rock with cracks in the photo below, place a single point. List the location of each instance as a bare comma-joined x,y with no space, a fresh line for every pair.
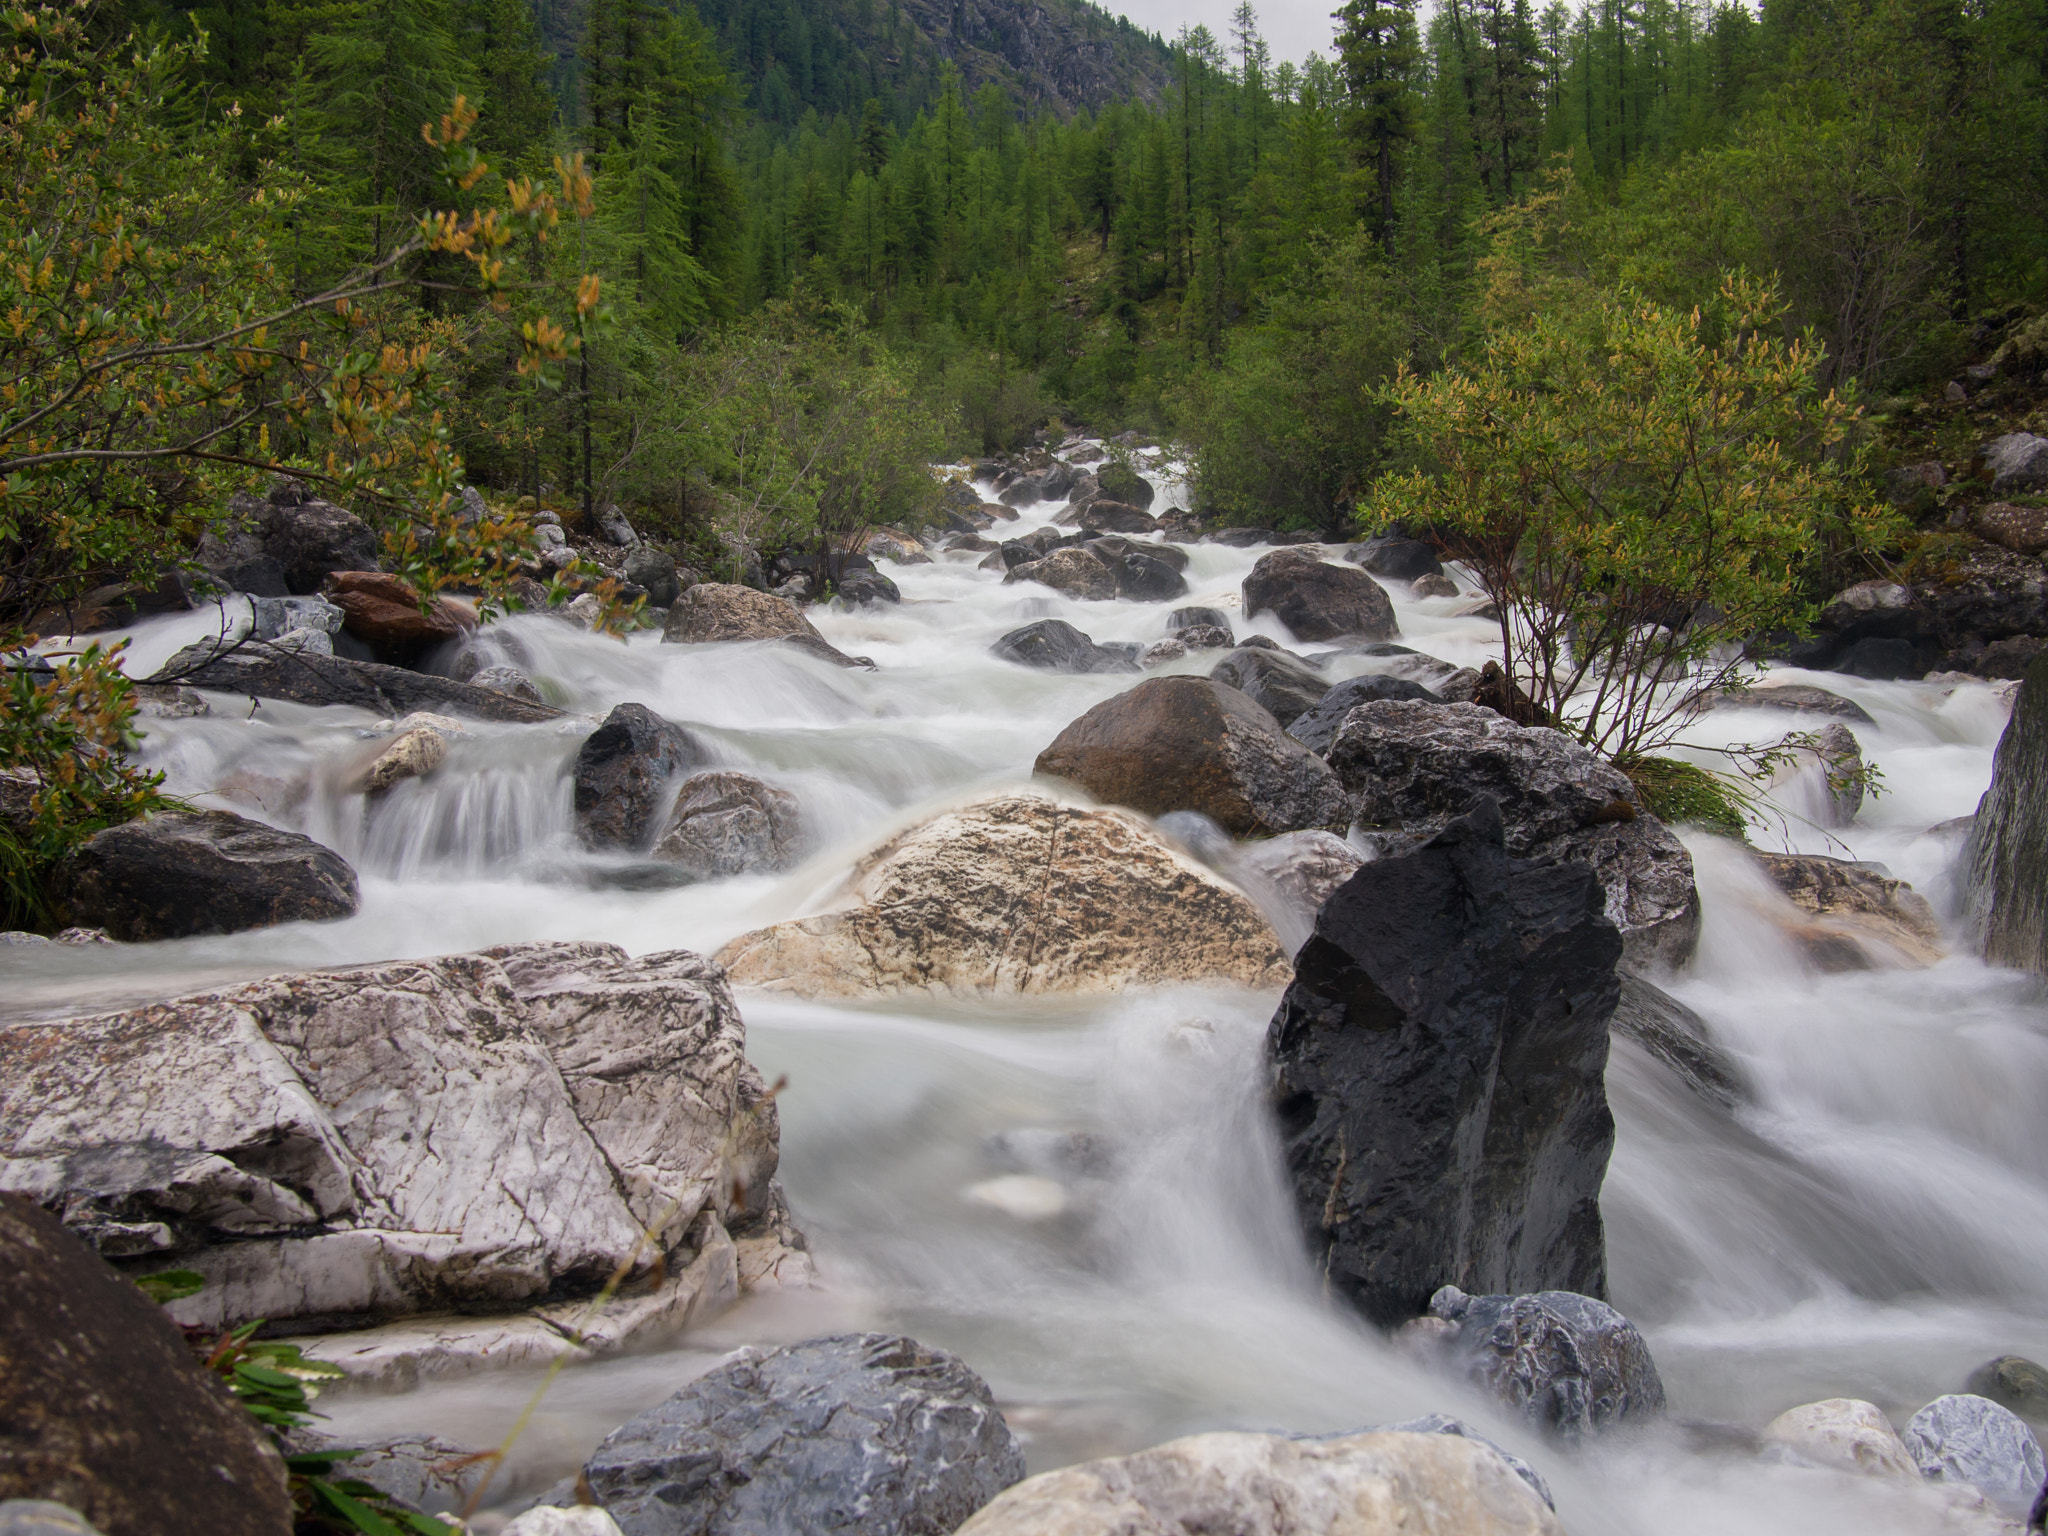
1192,744
860,1434
1379,1483
727,823
180,873
1317,600
1971,1440
1414,766
272,672
1017,894
2009,842
1438,1072
1316,727
1863,918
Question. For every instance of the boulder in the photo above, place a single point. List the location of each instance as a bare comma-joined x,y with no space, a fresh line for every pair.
1791,696
1105,516
1143,578
1285,686
856,588
413,755
104,1409
1677,1037
1846,1434
655,570
1565,1362
43,1517
2023,530
2017,464
1865,918
1192,618
2008,860
1379,1483
613,527
1973,1441
2015,1382
1435,584
1193,744
510,681
1205,637
1112,548
623,773
1397,558
1016,894
271,617
1125,485
265,672
471,1134
713,612
900,547
310,539
1414,766
1053,645
180,873
1438,1072
862,1434
1302,868
1160,652
1075,572
727,823
1317,600
421,1472
170,702
1316,726
1240,538
581,1520
384,613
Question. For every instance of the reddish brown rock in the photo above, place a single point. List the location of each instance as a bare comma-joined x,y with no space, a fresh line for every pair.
384,613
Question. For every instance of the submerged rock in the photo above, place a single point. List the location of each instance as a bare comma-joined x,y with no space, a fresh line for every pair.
1053,645
1191,744
1867,919
104,1409
1792,696
727,823
1415,766
623,773
180,873
1846,1434
1282,684
1678,1037
1317,600
1016,894
1438,1072
2009,844
1971,1440
2015,1382
1379,1483
1565,1362
1304,868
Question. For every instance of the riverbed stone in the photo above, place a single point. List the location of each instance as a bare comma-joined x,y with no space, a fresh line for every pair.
1866,919
1285,686
1193,744
1438,1074
726,823
1304,868
1377,1483
1189,618
263,671
1803,697
104,1409
1318,600
1316,726
1397,557
2015,1382
2008,858
1414,766
1076,572
623,773
1971,1440
1054,645
1844,1433
180,873
2017,463
384,613
310,539
1017,894
1565,1362
1677,1037
715,612
509,681
863,1434
414,755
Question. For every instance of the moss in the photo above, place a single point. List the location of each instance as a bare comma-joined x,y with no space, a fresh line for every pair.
1685,794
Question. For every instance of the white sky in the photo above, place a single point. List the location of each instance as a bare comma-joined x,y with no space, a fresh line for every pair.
1292,27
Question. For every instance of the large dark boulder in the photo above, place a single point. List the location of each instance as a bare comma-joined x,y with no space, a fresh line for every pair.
1316,726
1106,516
623,774
2009,841
1438,1072
1054,645
1396,557
655,570
1317,600
1565,1362
1278,681
1145,579
1193,744
1125,485
1412,767
1679,1038
180,873
861,1434
311,539
856,588
1077,572
103,1408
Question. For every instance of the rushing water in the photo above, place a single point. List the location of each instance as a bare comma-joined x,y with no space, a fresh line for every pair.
1873,1223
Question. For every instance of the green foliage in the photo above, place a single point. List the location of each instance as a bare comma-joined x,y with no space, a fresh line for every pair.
171,1285
1684,794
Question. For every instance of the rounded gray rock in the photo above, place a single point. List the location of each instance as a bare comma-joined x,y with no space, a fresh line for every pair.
1962,1438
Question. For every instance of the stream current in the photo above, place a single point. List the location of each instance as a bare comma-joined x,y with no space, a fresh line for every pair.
1872,1222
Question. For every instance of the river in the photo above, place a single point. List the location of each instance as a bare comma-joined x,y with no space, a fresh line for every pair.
1873,1223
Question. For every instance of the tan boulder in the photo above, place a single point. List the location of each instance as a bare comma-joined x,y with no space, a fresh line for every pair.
714,611
1017,894
412,756
1074,571
1864,920
1845,1433
2023,530
1385,1483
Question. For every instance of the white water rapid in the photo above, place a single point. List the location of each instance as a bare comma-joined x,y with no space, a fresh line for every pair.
1873,1224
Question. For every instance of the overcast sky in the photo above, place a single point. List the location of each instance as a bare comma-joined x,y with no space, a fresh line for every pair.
1293,27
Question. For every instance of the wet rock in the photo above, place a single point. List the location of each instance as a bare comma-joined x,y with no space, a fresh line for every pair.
1846,1434
583,1520
2008,859
1053,645
1193,744
1125,485
1075,572
1111,549
2008,659
861,587
1283,685
1438,1074
510,681
476,1133
1434,585
1566,1362
623,773
1317,600
727,823
1159,652
1679,1038
1398,558
1379,1483
1303,868
2014,1382
2023,530
1239,538
42,1517
412,756
714,612
181,873
1316,726
1881,659
104,1409
2017,464
1867,919
655,570
1108,516
422,1472
1197,618
1205,637
1415,766
1016,894
1971,1440
1444,1424
900,547
312,539
274,616
170,702
1792,696
384,613
863,1434
1145,579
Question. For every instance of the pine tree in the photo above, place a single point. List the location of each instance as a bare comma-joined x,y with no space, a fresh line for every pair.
1376,46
